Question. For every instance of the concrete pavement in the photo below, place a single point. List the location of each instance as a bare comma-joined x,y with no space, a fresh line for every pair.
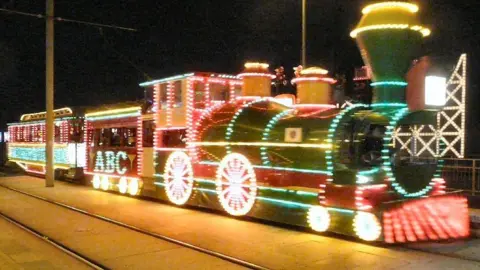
111,245
22,250
269,246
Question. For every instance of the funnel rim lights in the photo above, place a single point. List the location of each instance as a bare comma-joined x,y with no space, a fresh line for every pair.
418,28
249,65
392,4
313,79
314,71
256,74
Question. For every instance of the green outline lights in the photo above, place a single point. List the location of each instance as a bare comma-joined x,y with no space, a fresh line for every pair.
29,152
266,134
389,83
387,164
331,133
231,124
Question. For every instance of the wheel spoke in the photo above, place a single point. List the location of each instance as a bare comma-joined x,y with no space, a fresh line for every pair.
228,198
226,176
245,193
244,201
185,186
171,184
225,192
244,178
184,172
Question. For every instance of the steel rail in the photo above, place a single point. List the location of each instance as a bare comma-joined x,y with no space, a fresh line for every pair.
82,258
145,232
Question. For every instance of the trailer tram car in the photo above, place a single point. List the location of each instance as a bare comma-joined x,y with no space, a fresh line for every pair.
119,147
27,143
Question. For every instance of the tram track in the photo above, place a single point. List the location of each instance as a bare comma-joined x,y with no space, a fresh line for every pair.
97,265
222,256
80,257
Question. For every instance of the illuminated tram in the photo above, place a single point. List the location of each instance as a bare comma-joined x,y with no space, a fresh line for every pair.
222,142
26,146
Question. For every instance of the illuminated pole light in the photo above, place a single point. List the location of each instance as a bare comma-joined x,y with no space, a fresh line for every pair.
236,184
178,178
366,226
318,218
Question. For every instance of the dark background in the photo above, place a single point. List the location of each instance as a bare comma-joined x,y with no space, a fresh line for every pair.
94,66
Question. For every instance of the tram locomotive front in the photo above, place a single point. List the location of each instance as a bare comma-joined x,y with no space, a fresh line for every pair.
309,163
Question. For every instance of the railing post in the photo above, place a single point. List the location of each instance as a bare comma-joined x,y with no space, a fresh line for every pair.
474,176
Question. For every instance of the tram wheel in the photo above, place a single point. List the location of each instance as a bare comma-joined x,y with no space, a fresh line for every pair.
96,181
133,187
105,183
123,185
236,184
178,176
318,218
366,226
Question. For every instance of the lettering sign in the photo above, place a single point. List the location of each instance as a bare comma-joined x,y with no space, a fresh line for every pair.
110,162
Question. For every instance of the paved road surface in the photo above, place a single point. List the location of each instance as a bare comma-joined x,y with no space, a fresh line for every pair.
22,250
270,246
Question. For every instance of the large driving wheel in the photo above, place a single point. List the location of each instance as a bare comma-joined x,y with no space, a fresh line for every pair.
178,177
236,184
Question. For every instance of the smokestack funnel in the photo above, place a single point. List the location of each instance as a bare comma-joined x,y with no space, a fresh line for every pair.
389,36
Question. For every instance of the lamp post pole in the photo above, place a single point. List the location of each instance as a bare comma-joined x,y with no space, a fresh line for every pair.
304,33
49,80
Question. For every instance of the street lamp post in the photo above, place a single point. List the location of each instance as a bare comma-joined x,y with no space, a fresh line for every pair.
49,80
304,33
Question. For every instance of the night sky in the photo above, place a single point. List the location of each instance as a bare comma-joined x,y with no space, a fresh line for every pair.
95,66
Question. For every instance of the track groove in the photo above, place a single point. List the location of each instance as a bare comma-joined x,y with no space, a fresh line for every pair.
90,262
142,231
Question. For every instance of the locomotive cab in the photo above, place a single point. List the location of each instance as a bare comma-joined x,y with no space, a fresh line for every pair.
366,150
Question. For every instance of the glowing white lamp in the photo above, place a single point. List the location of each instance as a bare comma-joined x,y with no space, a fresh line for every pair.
435,91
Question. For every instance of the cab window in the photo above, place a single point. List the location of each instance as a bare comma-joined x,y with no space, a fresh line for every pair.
219,92
115,137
